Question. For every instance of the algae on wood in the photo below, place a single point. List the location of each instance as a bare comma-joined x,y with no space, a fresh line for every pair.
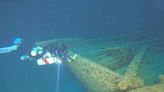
64,40
113,58
130,79
93,76
97,78
154,88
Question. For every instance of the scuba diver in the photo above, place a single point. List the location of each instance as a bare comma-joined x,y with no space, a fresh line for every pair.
16,44
53,53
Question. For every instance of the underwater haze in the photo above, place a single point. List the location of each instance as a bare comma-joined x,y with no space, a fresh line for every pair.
91,27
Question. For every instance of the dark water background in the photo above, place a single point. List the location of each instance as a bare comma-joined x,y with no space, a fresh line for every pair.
36,20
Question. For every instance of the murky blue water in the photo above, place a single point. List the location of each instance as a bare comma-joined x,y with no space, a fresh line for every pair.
38,20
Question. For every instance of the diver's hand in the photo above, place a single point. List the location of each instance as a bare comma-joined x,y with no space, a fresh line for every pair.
24,57
18,41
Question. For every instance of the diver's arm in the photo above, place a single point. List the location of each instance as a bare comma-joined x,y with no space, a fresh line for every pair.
8,49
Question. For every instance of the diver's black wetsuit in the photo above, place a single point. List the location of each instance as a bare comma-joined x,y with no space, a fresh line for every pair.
58,49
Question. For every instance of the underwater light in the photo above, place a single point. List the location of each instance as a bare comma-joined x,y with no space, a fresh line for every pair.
58,79
33,53
58,60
